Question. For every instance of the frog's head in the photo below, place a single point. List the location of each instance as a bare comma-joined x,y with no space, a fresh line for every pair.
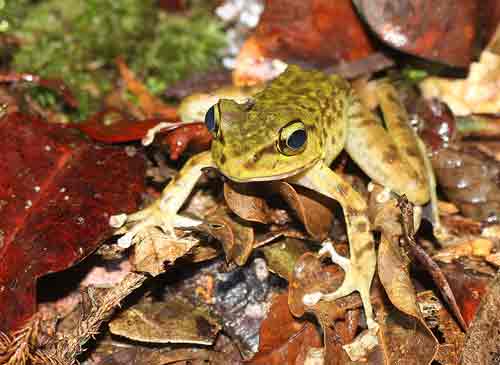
259,141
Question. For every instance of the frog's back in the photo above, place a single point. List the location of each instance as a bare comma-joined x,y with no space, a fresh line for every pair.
323,98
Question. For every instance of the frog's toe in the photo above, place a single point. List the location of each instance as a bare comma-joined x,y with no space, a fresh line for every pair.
356,279
147,219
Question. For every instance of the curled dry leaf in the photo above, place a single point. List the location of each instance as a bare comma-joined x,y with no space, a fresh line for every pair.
283,339
443,32
171,321
249,202
154,251
312,209
236,236
243,199
299,30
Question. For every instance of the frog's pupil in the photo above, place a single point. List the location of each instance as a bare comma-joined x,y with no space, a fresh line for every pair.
210,119
297,139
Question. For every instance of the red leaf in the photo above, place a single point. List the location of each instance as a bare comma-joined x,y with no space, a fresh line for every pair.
57,192
111,126
194,136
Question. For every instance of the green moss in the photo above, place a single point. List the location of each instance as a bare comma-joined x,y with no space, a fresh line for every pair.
78,41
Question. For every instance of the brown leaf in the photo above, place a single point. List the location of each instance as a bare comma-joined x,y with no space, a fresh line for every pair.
171,321
405,339
442,31
236,236
310,277
282,337
243,200
436,316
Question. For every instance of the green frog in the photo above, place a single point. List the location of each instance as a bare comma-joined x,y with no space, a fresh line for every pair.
292,130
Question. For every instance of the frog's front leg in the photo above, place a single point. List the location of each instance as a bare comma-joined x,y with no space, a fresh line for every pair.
163,212
360,267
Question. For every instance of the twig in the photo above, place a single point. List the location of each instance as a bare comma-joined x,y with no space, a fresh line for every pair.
71,345
426,261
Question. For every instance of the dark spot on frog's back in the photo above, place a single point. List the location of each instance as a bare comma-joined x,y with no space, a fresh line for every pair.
412,151
222,158
368,122
362,227
390,155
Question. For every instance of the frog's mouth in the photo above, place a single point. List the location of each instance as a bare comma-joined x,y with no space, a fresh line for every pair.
271,177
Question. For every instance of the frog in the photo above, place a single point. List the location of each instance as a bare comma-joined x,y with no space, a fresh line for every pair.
292,130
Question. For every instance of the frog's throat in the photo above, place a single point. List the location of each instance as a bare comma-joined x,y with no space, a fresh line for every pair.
273,176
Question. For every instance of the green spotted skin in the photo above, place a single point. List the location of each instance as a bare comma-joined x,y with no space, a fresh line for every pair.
245,148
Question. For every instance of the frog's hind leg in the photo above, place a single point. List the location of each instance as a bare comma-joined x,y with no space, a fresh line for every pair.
391,156
360,267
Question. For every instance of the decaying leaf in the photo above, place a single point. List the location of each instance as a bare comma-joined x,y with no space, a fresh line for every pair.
283,339
55,85
282,255
57,192
405,339
170,321
468,288
443,32
437,317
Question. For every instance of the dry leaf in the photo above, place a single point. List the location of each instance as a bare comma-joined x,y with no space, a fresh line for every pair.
171,321
154,250
282,337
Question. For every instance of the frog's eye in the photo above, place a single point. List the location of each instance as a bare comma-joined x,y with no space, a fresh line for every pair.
212,120
292,138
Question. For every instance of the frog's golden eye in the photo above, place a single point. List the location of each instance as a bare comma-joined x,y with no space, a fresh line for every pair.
212,120
292,138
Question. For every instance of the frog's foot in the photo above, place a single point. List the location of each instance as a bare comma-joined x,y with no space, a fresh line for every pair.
146,219
356,279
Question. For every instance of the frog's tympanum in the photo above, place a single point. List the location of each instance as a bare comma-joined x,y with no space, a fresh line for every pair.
292,130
